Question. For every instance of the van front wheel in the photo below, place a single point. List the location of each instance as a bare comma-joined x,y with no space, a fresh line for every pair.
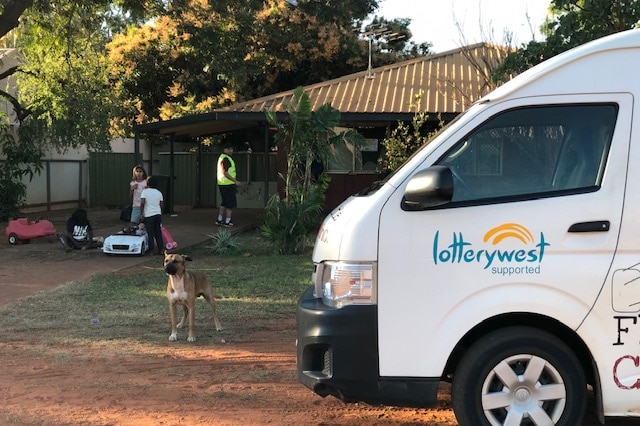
519,376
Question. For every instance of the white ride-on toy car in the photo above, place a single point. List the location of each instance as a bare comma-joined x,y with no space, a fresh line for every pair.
131,240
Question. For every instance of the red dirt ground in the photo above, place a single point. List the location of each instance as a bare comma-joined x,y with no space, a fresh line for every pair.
209,382
244,383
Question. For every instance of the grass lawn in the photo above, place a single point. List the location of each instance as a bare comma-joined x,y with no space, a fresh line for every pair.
257,287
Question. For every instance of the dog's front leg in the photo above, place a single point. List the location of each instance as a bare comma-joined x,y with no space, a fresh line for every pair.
174,330
192,321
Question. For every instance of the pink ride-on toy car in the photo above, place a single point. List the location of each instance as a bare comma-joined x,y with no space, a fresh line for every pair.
24,230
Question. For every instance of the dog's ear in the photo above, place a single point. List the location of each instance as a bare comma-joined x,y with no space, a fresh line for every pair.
186,257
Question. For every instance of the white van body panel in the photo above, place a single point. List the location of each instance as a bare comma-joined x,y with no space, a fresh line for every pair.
624,41
350,230
467,294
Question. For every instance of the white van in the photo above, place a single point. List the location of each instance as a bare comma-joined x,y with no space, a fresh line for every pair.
504,256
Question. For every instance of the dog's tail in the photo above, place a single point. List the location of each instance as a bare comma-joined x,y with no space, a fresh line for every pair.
215,296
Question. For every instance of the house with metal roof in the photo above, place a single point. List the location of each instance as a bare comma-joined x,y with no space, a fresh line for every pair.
372,101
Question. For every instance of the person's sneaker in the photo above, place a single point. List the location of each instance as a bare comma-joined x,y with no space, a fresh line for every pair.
229,224
219,223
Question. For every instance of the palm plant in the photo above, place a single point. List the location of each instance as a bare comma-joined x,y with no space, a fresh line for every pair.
307,138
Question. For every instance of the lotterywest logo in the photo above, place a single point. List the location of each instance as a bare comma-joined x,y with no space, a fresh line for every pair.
490,254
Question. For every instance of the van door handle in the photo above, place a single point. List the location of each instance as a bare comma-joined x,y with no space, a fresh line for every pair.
595,226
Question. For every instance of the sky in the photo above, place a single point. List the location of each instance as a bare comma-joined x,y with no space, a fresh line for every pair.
435,20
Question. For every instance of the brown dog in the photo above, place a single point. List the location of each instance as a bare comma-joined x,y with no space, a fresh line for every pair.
183,289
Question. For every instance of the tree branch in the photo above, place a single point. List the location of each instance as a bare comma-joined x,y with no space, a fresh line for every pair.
10,14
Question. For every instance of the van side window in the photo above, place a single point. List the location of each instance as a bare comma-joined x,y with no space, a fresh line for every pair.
534,151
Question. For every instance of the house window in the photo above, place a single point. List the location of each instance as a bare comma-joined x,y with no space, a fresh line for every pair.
345,158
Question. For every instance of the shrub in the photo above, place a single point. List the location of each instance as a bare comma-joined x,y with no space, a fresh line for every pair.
224,243
287,224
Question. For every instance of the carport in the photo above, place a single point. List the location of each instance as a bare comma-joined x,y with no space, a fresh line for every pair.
371,101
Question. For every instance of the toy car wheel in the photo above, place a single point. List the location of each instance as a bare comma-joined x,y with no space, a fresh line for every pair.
143,249
519,375
13,239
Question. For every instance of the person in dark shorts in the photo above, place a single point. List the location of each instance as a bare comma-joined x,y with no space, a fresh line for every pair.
151,205
227,184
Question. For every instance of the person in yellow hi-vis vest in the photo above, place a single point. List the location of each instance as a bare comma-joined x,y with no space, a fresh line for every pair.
227,184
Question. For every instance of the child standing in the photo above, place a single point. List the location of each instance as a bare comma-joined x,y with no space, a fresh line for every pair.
151,205
137,184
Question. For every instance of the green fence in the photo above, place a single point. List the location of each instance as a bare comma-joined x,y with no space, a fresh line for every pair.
109,177
110,173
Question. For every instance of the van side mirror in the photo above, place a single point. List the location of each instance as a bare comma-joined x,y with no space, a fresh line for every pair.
428,188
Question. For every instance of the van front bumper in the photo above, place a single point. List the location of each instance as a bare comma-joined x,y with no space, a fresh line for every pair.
337,354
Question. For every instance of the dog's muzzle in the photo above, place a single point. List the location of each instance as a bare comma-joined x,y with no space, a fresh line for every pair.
171,268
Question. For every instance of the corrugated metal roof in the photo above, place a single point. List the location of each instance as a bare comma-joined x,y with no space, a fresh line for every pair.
447,82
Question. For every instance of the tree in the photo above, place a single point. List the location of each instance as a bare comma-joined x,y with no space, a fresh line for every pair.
570,24
10,12
63,98
306,138
203,55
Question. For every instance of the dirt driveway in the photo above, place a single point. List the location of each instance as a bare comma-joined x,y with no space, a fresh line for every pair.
250,381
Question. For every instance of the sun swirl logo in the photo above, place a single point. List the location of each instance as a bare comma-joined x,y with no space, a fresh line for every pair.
508,230
496,254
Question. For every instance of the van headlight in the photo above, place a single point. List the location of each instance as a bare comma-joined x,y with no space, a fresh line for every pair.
346,283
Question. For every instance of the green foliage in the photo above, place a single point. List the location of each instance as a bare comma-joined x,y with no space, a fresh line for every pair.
21,160
105,65
63,78
570,24
224,243
203,55
306,138
12,196
405,139
64,98
288,224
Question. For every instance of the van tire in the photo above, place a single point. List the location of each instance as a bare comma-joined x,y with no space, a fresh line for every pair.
515,348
